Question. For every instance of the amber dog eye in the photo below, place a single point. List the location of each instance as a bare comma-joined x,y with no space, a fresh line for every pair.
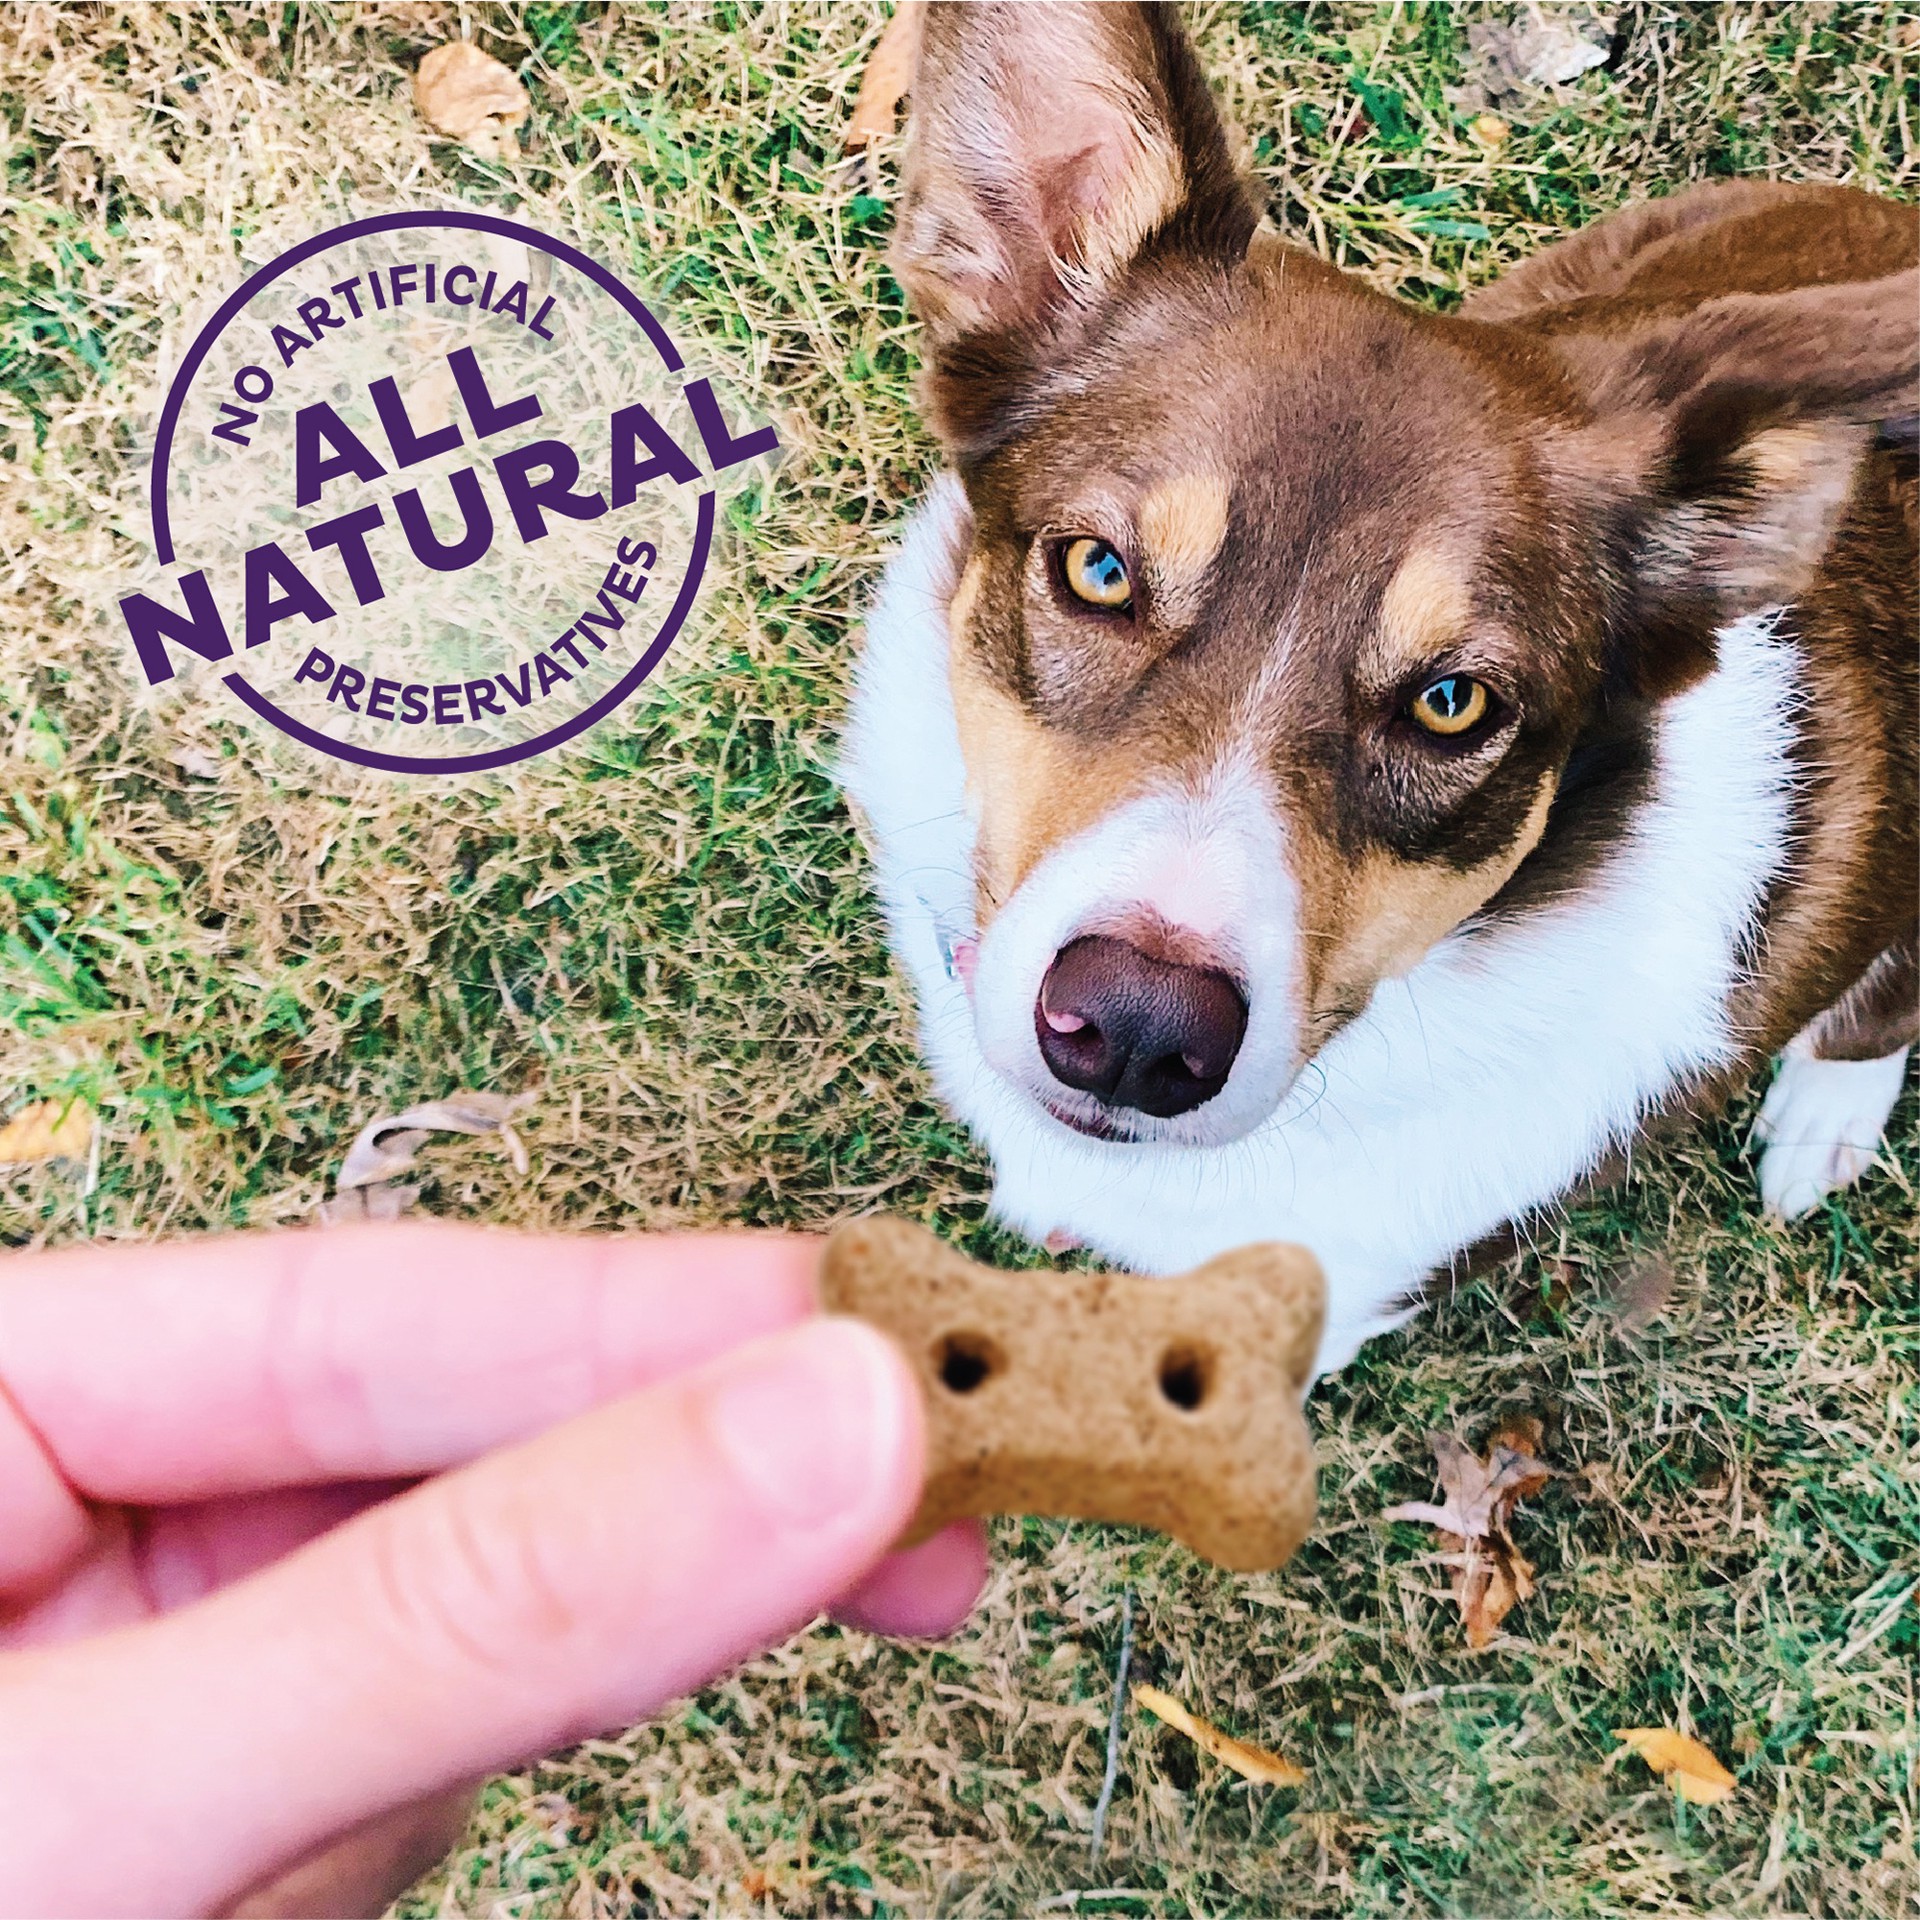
1451,706
1096,574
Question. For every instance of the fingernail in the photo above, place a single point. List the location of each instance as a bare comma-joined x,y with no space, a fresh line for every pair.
811,1421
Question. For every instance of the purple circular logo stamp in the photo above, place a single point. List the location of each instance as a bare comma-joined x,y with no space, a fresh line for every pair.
433,493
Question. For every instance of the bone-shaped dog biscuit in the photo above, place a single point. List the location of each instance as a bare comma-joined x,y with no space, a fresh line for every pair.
1171,1404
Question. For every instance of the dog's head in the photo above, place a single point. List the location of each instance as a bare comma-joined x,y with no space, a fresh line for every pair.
1286,603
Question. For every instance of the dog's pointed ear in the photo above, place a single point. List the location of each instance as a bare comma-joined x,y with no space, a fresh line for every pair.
1730,440
1050,144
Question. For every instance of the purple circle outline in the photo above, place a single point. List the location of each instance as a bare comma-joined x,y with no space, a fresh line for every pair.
610,284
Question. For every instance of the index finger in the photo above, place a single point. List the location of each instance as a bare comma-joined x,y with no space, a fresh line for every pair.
177,1372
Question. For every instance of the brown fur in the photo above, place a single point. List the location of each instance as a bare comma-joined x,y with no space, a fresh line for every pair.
1853,887
1877,1015
1736,236
1182,523
1423,612
1031,789
1380,916
1682,415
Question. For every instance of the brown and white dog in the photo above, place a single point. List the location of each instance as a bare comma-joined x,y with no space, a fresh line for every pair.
1338,770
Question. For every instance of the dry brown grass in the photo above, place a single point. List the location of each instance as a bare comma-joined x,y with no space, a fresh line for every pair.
667,932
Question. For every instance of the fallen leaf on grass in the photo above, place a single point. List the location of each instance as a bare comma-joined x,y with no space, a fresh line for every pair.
1248,1761
367,1203
1644,1293
1509,60
385,1148
47,1130
1480,1493
197,762
469,96
1490,1574
887,80
1695,1773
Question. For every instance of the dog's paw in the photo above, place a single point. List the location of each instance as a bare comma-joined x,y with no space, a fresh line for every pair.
1820,1126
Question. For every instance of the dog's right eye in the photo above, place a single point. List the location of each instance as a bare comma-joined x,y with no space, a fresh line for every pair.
1095,573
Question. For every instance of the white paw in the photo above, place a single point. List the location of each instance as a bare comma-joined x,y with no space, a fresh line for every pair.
1820,1126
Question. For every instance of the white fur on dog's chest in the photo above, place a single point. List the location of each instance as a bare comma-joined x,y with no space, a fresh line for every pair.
1473,1091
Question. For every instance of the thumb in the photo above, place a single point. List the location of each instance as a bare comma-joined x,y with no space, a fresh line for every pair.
565,1586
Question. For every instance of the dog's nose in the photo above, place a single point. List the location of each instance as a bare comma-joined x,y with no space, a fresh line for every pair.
1135,1031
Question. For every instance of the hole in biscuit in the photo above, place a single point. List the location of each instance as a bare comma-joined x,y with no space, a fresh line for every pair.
1186,1376
966,1361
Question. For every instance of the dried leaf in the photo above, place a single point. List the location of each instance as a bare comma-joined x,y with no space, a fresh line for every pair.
1509,61
469,96
1696,1774
1250,1762
1479,1493
1522,1433
1489,129
1556,52
887,80
47,1130
366,1203
384,1148
1490,1574
197,762
1644,1293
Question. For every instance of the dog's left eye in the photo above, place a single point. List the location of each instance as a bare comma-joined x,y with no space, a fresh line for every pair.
1095,573
1452,706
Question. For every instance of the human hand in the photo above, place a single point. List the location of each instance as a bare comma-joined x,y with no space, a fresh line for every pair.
298,1531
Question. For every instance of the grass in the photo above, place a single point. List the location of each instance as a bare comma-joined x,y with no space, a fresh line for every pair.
667,933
